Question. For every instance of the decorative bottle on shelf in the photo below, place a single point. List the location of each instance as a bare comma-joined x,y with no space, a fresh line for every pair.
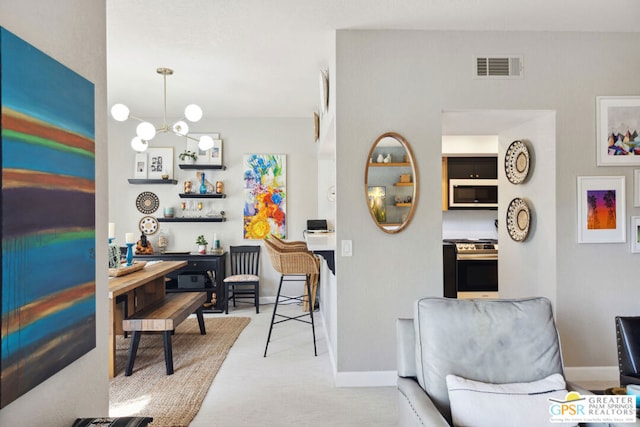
163,241
380,158
203,186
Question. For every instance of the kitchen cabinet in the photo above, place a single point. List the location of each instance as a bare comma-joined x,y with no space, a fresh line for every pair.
472,167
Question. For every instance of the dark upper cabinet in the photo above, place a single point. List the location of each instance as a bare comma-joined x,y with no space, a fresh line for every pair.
473,167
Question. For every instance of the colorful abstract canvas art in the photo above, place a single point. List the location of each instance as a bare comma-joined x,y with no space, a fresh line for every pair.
48,305
265,195
601,214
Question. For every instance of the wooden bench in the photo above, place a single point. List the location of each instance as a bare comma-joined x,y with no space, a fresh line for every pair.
163,317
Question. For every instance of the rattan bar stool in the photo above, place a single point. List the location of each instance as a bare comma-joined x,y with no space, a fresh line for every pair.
292,265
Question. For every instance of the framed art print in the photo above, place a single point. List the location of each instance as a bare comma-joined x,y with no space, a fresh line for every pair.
617,130
636,188
160,162
204,156
215,153
601,209
635,234
140,166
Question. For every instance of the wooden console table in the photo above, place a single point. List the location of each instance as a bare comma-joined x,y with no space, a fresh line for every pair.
141,289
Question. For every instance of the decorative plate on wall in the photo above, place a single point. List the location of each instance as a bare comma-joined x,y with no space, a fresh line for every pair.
148,225
518,219
147,202
516,162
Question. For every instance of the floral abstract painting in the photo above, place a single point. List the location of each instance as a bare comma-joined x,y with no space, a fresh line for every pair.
48,295
265,195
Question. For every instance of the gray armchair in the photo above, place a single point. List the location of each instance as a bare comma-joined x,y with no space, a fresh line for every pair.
492,341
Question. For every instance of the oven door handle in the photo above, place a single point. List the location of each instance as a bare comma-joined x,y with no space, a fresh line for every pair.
477,257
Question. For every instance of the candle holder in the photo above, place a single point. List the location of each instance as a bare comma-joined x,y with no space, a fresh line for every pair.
130,254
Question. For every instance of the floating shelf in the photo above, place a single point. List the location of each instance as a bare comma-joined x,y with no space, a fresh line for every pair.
403,184
152,181
388,164
196,166
403,204
202,196
197,219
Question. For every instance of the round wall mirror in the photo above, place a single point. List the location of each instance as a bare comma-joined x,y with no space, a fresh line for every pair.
391,182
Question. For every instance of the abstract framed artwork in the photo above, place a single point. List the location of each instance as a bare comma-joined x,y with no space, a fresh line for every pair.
265,195
48,296
160,161
601,209
635,234
618,130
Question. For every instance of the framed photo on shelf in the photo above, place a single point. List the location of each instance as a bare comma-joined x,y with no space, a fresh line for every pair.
636,188
160,162
601,209
215,154
635,234
618,130
140,171
204,157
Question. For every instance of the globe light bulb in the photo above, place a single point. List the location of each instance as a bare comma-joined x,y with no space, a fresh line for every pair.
193,112
120,112
146,131
181,128
205,143
139,144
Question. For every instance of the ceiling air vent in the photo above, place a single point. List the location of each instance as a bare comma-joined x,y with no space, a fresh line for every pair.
497,67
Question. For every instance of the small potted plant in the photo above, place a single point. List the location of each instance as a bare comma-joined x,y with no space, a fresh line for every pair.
202,244
188,156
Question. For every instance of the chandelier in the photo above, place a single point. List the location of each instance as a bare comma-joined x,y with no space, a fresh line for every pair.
146,131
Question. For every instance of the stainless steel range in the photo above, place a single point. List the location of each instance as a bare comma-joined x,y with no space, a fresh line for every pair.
470,268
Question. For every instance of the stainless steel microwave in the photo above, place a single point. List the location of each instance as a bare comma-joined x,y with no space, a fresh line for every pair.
473,193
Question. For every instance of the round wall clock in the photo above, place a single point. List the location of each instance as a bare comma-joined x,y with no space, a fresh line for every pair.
516,162
147,202
518,219
148,225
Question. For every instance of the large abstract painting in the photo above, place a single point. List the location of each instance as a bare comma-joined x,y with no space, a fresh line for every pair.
48,217
265,195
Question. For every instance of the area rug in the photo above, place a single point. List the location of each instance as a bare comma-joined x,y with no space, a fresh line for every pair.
172,400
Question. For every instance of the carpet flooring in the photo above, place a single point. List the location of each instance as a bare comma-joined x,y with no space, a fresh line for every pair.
172,400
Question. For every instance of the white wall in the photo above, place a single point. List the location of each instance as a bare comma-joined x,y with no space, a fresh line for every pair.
536,255
402,81
82,388
293,137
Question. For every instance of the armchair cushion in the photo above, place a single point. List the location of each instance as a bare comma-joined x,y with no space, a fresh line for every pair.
492,341
495,405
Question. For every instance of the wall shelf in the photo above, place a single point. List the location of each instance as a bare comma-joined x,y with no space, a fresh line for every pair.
403,184
152,181
196,219
403,204
196,166
388,164
202,196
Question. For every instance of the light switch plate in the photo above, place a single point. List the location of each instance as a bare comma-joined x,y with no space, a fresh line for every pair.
347,247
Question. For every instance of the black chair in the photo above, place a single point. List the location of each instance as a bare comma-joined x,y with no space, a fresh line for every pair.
244,282
628,337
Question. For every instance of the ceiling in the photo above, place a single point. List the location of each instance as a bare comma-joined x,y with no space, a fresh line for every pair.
262,58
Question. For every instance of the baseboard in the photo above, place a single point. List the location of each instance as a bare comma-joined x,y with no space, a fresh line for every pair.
366,379
591,373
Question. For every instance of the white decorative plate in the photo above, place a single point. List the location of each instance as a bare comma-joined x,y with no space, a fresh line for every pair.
518,219
148,225
147,202
516,162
